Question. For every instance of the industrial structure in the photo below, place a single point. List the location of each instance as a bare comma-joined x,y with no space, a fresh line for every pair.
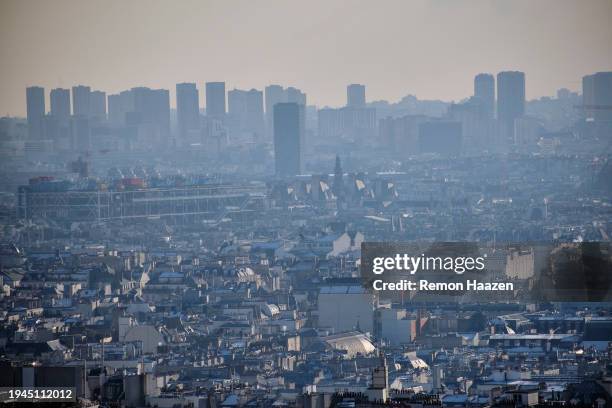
134,199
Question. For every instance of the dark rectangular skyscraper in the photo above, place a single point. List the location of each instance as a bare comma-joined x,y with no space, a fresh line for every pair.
35,101
60,104
597,96
510,99
355,96
510,95
215,99
588,95
288,138
187,108
81,99
484,91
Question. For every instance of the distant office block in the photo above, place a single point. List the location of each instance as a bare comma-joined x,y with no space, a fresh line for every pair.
510,99
57,123
215,99
484,92
358,123
152,106
588,95
442,137
294,95
161,109
118,107
329,123
351,123
273,94
97,105
597,96
35,104
477,122
81,100
144,115
401,135
255,111
288,138
187,108
116,115
355,96
143,105
277,94
60,104
246,111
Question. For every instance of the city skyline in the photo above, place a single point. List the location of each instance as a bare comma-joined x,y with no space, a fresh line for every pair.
200,91
271,204
322,49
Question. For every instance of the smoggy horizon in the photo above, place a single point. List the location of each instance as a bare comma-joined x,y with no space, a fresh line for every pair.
431,49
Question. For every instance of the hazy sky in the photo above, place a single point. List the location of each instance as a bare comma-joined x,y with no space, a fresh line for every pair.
431,49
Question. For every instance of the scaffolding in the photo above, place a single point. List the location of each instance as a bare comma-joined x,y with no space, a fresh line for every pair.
209,202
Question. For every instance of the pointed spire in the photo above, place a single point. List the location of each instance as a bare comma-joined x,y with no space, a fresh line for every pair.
338,167
338,173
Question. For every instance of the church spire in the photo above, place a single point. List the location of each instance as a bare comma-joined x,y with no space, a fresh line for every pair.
338,173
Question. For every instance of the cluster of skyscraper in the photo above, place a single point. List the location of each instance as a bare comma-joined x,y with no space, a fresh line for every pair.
484,122
596,96
355,121
510,97
140,118
143,115
63,118
510,94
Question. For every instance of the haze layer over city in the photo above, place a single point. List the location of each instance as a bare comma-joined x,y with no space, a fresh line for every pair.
208,204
